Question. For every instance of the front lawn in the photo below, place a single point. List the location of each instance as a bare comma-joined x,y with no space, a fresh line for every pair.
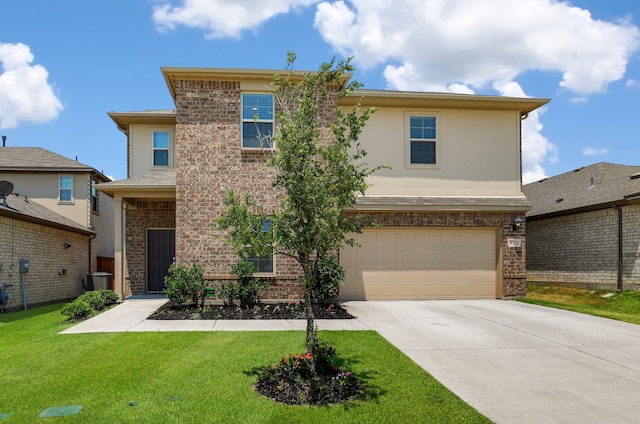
191,377
622,306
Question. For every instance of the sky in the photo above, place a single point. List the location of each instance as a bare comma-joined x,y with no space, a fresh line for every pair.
65,64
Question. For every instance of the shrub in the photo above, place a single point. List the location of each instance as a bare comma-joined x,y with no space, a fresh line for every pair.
329,275
78,309
291,381
185,284
246,288
99,299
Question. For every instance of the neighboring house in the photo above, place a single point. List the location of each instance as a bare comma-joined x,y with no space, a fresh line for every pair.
55,247
447,205
66,187
583,229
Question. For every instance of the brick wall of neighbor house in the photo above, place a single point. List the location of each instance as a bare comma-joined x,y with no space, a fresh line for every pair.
55,273
103,244
209,162
581,250
511,270
145,215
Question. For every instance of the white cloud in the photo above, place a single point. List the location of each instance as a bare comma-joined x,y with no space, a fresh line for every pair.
25,95
222,18
631,83
536,148
468,42
467,45
578,100
590,151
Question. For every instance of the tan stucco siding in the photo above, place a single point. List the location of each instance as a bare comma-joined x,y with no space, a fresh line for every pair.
141,149
478,153
43,188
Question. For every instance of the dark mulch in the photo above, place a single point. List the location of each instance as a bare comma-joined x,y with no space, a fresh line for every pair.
322,391
286,310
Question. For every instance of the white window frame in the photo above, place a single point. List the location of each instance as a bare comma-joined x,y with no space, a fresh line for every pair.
60,188
254,121
168,149
409,140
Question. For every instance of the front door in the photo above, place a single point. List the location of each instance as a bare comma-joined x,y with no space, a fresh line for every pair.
161,251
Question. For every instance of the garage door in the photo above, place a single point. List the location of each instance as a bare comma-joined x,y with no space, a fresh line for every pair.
423,263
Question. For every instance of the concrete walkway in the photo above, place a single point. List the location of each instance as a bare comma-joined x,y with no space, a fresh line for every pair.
131,315
513,362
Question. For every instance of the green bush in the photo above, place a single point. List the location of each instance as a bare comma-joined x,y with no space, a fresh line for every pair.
184,284
78,309
99,299
329,275
246,288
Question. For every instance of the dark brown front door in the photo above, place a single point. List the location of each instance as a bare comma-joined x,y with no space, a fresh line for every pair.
161,249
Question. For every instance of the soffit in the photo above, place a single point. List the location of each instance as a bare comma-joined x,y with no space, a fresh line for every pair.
386,98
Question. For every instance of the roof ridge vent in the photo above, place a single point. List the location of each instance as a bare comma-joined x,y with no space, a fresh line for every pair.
578,169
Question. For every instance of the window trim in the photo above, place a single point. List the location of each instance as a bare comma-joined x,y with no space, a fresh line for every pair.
60,188
169,148
254,120
437,140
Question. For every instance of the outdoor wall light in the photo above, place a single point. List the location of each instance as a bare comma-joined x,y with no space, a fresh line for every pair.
66,246
517,224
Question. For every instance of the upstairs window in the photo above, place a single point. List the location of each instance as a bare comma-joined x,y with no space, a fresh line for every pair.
257,120
66,189
94,196
160,148
422,140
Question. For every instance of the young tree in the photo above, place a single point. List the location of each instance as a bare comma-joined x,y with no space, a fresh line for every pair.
320,171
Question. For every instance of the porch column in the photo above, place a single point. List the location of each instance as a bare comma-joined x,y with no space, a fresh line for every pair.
119,230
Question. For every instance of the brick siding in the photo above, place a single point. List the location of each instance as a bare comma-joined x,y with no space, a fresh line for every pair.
142,217
43,247
581,250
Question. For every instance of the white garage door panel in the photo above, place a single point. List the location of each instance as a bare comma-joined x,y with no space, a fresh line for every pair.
402,263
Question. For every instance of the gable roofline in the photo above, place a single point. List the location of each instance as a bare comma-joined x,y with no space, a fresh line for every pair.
599,186
37,159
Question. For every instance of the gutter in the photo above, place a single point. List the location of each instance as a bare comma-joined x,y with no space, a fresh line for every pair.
620,255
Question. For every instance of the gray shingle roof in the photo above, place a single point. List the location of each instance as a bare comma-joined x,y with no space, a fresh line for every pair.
591,187
37,159
27,210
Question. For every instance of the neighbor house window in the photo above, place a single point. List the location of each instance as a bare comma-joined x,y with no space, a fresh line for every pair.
422,139
160,148
257,120
66,189
263,263
94,195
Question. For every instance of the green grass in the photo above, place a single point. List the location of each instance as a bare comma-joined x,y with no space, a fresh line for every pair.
194,377
622,306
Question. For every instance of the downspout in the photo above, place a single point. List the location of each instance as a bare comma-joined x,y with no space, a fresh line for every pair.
89,259
620,257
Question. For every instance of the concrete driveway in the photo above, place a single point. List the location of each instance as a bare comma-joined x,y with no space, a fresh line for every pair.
518,363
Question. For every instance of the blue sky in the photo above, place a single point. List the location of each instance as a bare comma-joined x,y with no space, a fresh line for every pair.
65,64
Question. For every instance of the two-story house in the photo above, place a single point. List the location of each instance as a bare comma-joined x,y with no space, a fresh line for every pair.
68,188
450,205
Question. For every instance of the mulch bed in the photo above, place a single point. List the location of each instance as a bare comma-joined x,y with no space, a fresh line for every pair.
326,391
285,310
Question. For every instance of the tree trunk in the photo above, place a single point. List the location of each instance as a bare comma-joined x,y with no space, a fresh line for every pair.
311,335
